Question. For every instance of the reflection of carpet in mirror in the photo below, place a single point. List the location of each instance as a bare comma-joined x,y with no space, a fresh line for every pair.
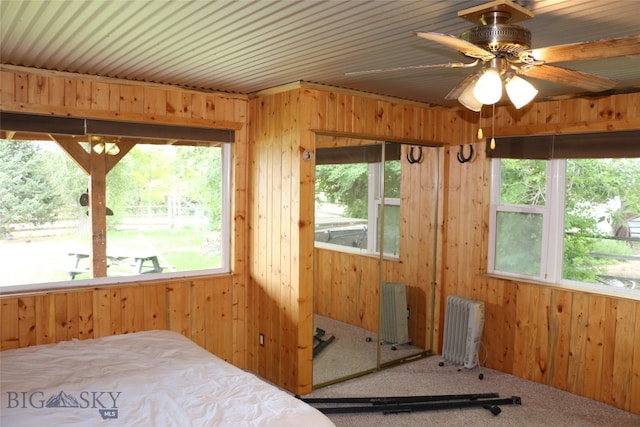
352,351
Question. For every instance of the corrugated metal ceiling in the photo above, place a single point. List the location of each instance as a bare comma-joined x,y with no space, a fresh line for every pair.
245,46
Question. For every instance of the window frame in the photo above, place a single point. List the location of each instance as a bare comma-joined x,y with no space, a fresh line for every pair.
376,200
553,213
226,246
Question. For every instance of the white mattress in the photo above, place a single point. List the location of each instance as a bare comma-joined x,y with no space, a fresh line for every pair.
153,378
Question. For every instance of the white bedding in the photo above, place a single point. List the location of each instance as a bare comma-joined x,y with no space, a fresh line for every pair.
153,378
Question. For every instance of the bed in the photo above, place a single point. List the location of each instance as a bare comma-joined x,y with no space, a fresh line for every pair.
151,378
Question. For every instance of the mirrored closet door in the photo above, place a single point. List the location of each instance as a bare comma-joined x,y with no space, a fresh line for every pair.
409,215
360,233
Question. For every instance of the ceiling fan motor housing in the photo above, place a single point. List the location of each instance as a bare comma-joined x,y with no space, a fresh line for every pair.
498,36
501,40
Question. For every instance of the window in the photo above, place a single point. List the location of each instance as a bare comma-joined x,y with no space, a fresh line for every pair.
167,211
350,203
573,222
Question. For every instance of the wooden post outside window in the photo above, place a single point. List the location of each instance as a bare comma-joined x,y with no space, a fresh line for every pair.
98,210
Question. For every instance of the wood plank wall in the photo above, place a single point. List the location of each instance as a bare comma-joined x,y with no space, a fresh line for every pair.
200,309
353,115
584,343
284,123
346,287
278,305
210,310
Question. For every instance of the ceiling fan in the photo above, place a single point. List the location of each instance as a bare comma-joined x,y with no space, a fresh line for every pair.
503,51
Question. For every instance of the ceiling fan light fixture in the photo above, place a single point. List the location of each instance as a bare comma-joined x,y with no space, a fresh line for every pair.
520,91
488,89
467,99
110,147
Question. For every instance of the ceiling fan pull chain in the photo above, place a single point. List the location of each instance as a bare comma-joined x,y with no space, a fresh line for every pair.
493,127
480,134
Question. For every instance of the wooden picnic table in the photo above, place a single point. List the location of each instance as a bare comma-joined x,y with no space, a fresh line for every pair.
136,263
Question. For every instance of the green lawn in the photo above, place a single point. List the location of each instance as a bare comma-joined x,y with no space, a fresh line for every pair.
39,260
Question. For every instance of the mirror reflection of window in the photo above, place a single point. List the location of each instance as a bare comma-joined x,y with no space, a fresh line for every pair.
349,197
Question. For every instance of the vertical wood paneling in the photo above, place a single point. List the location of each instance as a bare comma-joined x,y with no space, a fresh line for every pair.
21,88
273,132
45,318
102,311
70,93
622,375
559,332
61,303
179,308
7,87
276,256
609,342
87,313
595,348
115,311
100,96
634,390
10,318
155,101
131,99
133,309
155,307
83,96
288,276
201,300
346,287
609,348
584,343
38,89
26,321
577,342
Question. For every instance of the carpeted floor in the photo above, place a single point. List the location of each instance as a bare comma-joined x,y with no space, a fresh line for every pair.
541,405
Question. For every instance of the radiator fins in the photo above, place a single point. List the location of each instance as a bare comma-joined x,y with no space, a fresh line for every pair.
395,327
463,323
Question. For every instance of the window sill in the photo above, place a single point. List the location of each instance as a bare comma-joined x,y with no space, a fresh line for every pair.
69,285
353,251
610,291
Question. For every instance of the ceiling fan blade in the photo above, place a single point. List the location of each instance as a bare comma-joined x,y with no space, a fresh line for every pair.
415,67
590,82
457,91
598,49
462,46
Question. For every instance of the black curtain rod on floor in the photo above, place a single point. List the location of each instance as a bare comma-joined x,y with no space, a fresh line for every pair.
433,404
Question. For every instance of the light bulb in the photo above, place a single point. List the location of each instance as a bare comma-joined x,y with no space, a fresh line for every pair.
99,147
488,90
520,91
112,148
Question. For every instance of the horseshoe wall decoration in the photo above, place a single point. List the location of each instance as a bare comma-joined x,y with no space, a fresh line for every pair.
413,159
462,158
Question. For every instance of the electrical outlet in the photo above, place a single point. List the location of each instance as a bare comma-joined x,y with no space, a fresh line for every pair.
261,339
